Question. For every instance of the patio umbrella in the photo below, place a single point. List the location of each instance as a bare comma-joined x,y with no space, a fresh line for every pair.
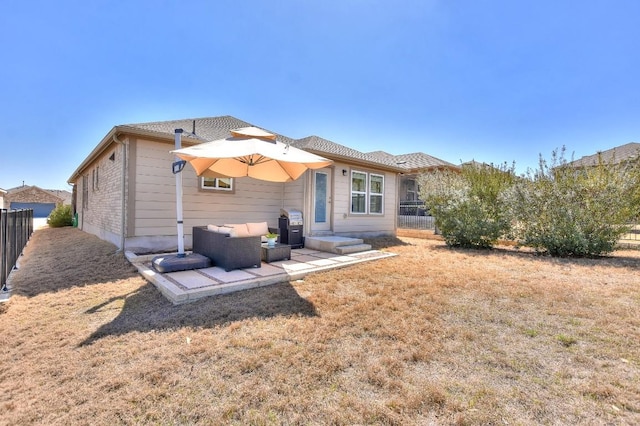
250,152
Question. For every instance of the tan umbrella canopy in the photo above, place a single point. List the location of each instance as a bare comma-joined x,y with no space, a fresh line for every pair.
250,152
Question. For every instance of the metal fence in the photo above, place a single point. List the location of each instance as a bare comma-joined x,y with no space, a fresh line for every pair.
414,215
633,234
16,226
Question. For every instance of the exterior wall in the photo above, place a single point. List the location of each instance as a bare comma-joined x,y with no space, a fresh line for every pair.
150,199
100,214
361,225
154,201
2,194
294,193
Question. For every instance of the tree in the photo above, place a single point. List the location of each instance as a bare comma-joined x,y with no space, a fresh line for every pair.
468,206
567,211
60,216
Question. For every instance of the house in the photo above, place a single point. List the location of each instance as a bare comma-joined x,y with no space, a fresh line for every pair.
125,191
42,201
2,195
63,194
619,154
414,164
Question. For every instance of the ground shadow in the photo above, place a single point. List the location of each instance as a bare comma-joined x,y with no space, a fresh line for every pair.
147,310
378,243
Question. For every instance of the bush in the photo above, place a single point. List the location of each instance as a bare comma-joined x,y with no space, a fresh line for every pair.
60,216
566,211
468,206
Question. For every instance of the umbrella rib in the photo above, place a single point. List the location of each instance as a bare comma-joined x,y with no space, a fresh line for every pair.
250,161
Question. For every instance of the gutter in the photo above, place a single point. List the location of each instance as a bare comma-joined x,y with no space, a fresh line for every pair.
119,130
357,161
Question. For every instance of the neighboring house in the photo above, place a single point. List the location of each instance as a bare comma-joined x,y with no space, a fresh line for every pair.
2,195
64,194
414,164
619,154
474,163
124,191
42,201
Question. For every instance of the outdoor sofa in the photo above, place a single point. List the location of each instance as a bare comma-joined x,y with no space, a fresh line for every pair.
230,247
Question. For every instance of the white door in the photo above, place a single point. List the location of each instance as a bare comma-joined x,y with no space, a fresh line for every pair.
321,208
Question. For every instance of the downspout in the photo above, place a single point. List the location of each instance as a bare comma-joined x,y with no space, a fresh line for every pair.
397,204
122,195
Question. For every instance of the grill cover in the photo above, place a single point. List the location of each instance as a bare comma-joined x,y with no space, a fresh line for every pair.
293,216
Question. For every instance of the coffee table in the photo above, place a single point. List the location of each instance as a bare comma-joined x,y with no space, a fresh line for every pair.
276,252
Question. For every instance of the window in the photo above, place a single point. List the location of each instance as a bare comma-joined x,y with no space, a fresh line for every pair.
376,189
85,192
367,193
96,177
216,184
412,192
358,192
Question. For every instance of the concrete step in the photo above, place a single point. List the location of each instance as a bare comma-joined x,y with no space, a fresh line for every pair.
331,243
355,248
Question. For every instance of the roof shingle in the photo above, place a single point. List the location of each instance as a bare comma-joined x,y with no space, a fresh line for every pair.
327,147
214,128
618,154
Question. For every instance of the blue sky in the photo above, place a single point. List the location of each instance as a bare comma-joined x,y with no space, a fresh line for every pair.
494,81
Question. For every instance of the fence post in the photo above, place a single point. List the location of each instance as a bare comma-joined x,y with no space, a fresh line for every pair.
3,248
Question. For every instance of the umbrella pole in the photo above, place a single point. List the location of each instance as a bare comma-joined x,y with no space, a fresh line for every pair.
179,222
180,261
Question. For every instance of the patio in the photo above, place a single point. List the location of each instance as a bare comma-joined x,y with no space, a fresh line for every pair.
187,286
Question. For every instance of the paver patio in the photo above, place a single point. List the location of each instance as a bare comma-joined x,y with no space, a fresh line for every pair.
187,286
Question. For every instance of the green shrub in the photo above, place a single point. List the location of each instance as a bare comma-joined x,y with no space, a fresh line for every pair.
566,211
60,216
468,206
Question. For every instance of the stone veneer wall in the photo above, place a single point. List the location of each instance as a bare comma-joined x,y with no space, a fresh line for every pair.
101,215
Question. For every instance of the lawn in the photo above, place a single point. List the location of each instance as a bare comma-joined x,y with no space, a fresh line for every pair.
432,336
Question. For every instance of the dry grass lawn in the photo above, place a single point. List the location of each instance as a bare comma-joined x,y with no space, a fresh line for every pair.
433,336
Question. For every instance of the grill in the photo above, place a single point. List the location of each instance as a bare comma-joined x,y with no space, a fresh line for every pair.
290,227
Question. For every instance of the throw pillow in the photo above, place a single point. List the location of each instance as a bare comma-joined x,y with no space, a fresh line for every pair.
228,230
241,229
258,229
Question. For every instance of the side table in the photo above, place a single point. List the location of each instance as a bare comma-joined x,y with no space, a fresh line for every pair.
276,252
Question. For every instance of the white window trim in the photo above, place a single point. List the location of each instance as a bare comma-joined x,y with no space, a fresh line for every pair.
367,193
216,187
379,194
352,192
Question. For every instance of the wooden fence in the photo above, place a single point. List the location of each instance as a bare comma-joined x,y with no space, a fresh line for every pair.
16,226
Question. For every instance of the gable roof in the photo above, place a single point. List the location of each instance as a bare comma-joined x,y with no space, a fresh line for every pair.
213,128
26,192
415,161
206,128
333,150
420,161
618,154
